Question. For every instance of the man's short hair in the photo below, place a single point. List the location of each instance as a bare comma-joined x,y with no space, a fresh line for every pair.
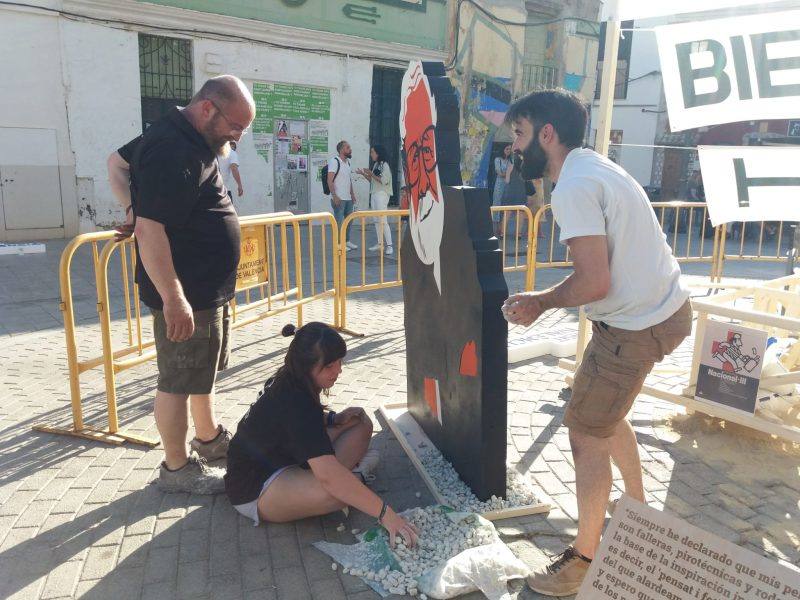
562,109
340,145
215,91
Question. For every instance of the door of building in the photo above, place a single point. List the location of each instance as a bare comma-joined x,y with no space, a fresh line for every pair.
291,165
30,185
384,125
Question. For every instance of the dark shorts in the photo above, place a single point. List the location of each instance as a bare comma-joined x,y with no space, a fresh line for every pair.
614,367
190,367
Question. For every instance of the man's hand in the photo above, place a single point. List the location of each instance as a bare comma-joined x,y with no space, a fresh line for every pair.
523,309
241,190
336,200
179,318
124,230
352,415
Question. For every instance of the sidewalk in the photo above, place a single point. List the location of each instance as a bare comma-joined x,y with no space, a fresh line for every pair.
80,519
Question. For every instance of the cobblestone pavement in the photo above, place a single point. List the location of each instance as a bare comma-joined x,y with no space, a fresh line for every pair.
80,519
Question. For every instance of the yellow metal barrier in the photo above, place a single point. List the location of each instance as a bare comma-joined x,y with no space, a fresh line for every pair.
386,266
676,218
278,293
525,233
768,248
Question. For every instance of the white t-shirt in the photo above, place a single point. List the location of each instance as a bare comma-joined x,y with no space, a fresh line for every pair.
225,163
341,185
595,196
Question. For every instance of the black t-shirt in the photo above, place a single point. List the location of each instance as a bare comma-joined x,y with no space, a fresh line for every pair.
175,180
284,426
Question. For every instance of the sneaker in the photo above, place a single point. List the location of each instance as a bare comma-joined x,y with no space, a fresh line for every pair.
374,248
389,251
563,577
368,464
350,245
216,449
195,477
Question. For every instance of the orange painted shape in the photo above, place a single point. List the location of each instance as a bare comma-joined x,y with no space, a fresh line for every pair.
469,360
430,395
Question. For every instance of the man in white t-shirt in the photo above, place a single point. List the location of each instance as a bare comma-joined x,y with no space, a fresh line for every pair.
340,183
229,167
628,280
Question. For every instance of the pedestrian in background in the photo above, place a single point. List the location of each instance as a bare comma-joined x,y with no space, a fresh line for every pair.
229,166
380,190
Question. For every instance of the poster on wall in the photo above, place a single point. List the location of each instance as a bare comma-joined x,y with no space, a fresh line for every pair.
318,161
318,137
263,146
728,70
751,183
730,365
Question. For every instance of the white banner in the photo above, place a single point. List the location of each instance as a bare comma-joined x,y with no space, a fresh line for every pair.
751,183
728,70
624,10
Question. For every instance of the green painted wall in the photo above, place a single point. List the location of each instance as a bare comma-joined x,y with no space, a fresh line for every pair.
420,23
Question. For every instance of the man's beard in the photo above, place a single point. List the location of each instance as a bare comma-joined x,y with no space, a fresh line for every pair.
531,162
349,154
219,145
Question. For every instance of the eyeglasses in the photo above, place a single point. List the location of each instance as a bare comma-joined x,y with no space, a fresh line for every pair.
235,127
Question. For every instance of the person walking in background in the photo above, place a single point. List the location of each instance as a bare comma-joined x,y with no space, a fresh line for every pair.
515,194
340,183
188,244
380,190
229,167
501,165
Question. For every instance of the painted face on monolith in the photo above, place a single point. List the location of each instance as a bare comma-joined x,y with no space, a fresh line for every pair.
418,129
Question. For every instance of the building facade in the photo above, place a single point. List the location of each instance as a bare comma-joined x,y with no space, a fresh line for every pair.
82,77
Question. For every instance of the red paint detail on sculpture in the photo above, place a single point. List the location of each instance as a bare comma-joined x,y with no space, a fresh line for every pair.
469,360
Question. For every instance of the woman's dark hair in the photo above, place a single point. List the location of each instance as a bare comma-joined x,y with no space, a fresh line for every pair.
562,109
382,158
313,344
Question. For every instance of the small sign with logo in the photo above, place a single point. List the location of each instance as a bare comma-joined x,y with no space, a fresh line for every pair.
730,365
252,268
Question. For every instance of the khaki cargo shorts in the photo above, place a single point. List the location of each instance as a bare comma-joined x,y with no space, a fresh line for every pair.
190,367
614,367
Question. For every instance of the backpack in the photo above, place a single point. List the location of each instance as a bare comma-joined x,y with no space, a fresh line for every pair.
325,189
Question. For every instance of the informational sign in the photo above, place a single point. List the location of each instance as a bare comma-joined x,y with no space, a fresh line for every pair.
318,136
730,365
289,101
751,183
727,70
624,10
252,268
651,555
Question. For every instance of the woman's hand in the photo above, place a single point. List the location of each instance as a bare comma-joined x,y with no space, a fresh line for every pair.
397,525
352,415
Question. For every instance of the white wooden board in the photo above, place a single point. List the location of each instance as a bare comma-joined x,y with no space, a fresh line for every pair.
410,435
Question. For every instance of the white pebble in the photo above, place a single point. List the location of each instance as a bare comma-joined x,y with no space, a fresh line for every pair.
341,527
355,531
418,495
334,566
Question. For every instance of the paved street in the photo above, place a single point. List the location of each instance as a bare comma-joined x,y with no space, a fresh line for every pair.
80,519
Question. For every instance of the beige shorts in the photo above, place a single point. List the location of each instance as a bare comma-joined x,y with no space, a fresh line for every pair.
614,367
190,367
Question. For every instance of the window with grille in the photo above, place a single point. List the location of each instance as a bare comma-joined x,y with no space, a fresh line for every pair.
165,75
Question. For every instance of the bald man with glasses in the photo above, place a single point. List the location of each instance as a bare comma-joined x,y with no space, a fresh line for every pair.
187,238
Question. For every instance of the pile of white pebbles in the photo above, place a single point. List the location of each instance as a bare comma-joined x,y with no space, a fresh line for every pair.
440,539
519,491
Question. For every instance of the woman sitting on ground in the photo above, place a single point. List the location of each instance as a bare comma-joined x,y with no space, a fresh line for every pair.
289,458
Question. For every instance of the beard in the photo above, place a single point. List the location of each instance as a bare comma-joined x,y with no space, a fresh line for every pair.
349,154
531,162
219,144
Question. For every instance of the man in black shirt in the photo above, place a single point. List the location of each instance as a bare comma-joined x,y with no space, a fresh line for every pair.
187,235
